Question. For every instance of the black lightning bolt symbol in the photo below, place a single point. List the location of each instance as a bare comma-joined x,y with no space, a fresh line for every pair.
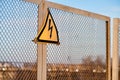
50,28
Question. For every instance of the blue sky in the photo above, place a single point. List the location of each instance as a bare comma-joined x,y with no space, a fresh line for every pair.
20,18
109,8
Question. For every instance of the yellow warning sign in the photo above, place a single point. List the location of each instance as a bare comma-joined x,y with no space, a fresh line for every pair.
49,32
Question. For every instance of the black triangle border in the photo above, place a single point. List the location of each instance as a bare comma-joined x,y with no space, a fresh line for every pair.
48,41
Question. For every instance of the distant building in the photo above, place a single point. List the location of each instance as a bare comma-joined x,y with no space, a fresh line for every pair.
23,71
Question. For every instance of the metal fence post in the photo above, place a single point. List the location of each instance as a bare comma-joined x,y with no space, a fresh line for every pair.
41,49
108,56
115,55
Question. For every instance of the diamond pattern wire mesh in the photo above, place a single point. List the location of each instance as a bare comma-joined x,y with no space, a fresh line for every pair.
18,26
81,54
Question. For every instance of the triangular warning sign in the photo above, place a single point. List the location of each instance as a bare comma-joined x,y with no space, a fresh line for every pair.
49,32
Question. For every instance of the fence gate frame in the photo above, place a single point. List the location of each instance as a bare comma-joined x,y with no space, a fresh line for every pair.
41,49
115,55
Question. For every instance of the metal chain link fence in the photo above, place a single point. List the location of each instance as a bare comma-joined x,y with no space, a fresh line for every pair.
18,26
81,54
